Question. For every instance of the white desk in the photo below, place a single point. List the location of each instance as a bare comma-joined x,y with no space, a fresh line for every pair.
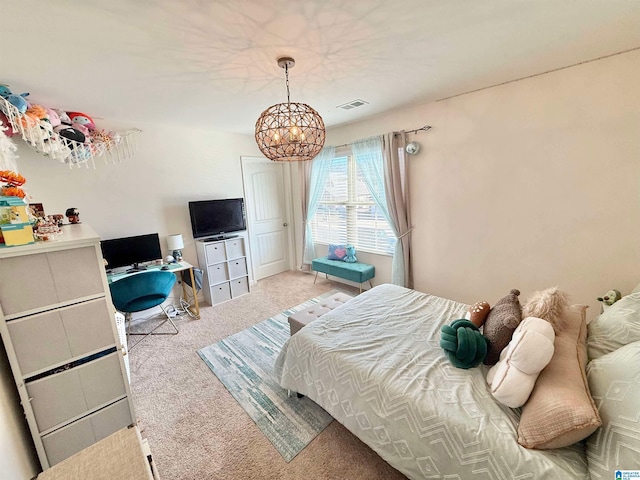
174,268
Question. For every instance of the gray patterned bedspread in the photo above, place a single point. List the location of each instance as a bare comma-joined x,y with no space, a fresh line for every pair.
376,366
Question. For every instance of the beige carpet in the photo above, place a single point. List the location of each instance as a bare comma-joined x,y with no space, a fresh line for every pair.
196,429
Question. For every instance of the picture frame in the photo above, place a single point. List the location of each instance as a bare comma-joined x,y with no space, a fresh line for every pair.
37,210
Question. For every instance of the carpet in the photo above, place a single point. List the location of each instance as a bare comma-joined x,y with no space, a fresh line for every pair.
244,364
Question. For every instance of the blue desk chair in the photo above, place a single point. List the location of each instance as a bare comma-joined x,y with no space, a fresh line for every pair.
143,291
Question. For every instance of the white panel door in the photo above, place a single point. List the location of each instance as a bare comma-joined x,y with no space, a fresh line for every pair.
264,184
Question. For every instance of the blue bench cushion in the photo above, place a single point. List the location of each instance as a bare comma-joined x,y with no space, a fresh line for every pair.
356,272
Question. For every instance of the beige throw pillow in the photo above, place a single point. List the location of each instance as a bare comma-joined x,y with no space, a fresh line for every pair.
560,410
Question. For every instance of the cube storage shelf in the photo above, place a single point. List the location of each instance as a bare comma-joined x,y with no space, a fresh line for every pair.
58,328
225,268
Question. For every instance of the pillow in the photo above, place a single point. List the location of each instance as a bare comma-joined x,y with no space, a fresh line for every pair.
616,327
463,343
337,252
478,313
548,304
560,410
615,385
502,320
530,350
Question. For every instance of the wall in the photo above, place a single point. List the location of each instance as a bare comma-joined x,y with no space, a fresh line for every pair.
17,454
144,194
148,192
527,185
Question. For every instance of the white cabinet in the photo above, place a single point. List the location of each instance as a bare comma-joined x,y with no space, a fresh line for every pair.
225,267
58,329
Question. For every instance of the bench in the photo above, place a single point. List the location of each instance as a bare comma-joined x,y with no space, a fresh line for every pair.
309,314
355,272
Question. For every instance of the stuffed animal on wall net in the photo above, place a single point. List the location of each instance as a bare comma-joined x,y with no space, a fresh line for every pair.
351,254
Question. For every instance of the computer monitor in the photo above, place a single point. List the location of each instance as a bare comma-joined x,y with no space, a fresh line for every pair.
131,251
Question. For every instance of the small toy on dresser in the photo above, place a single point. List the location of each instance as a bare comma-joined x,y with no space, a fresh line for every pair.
611,297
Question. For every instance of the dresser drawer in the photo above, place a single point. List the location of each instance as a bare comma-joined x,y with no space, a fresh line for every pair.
217,273
74,437
52,278
57,336
237,268
220,293
215,253
86,387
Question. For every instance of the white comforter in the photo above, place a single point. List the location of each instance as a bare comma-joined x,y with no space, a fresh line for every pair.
376,366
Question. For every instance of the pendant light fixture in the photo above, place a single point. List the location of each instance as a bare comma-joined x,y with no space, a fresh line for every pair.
289,132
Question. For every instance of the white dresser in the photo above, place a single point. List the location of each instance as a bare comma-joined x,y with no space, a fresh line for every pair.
225,267
58,328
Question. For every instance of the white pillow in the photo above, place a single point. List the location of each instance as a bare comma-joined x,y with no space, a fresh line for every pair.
616,327
614,381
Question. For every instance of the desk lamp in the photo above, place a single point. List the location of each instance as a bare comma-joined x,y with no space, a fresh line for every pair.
175,243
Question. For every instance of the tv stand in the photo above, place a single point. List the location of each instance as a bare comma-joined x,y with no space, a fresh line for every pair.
225,265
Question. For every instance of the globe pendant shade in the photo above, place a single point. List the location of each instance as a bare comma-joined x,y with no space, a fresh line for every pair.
290,132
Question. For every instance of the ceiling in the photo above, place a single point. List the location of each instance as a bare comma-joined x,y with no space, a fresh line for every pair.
213,63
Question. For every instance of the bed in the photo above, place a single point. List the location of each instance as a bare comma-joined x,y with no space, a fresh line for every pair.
375,364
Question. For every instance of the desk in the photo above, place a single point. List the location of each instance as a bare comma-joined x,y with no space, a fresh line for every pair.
174,268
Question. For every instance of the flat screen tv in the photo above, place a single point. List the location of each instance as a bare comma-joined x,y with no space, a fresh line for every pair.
131,251
216,218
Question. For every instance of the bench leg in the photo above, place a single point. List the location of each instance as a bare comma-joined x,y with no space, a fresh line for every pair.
314,280
370,284
360,288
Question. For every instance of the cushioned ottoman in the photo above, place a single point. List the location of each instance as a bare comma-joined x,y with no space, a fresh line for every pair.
356,272
309,314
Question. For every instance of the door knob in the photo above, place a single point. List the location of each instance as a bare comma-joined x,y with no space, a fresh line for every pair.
285,224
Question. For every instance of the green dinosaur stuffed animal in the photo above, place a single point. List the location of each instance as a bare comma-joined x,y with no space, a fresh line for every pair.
611,297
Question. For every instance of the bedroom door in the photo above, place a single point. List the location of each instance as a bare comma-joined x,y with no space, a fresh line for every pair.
265,188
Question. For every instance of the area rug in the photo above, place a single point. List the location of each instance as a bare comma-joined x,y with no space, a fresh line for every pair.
244,364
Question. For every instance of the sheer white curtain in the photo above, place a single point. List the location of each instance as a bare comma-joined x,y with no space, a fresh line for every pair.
315,181
384,171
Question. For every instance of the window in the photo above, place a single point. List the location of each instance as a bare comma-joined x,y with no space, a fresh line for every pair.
347,212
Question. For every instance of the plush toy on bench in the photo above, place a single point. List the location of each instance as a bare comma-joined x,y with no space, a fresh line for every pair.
350,256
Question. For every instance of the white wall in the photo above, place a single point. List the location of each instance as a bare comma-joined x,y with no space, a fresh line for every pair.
527,185
148,192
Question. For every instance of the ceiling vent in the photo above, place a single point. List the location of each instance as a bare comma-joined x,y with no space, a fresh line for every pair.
353,104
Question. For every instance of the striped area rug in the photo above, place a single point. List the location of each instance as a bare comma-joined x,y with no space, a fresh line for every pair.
244,364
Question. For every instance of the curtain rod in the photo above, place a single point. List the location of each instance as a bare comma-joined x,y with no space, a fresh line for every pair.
421,129
416,130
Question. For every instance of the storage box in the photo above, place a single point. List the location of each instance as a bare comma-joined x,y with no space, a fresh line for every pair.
15,228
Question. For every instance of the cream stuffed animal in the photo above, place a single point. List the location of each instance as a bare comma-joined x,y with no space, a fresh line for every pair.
512,379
